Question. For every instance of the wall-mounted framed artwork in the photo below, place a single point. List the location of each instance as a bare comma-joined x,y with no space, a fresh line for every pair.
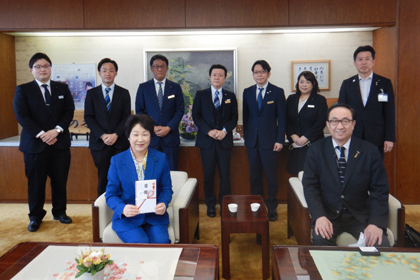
320,68
190,68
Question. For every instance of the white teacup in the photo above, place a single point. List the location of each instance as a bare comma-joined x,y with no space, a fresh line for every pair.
233,207
255,207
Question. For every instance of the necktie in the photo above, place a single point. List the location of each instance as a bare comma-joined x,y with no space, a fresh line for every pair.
216,100
107,98
160,95
47,95
342,164
260,99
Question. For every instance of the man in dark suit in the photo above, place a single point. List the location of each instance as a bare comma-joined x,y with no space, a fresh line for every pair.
107,108
44,109
345,184
215,112
163,100
264,120
372,97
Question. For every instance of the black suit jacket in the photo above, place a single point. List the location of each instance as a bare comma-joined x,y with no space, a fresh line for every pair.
310,121
100,120
34,116
203,116
365,190
377,119
267,125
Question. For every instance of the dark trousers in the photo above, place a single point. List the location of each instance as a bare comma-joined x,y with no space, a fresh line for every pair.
102,160
346,222
54,163
259,160
216,155
171,155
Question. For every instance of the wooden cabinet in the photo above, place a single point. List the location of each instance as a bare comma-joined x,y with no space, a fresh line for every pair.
342,12
8,123
134,14
236,13
41,14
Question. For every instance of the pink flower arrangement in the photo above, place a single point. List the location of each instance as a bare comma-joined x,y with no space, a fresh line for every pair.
90,261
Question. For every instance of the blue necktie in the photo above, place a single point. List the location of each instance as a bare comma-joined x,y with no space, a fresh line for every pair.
342,164
107,98
216,100
260,99
47,95
160,95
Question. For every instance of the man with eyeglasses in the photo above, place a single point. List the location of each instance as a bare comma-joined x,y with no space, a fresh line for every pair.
44,109
163,100
264,126
345,184
372,97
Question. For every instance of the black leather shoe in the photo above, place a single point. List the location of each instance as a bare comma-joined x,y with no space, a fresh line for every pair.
64,219
272,215
211,212
34,226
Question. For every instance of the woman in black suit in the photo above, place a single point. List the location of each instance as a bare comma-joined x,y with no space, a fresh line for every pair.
306,117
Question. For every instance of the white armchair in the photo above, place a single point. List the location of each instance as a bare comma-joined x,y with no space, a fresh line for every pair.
299,222
183,213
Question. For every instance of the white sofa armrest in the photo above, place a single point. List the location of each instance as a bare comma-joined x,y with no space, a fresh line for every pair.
181,201
104,214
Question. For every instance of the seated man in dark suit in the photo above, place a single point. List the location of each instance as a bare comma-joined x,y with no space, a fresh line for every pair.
215,112
44,109
345,184
107,108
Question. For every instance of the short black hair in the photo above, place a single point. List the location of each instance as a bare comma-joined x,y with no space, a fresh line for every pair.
364,49
308,75
342,105
37,57
143,120
107,60
160,57
218,66
264,64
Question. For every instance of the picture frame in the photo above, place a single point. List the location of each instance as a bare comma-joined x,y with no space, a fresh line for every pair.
320,68
190,68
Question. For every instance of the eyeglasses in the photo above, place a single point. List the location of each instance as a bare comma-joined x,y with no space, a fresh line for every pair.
344,122
159,67
39,67
260,72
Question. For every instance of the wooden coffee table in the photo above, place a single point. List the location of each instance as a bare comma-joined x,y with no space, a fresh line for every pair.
207,267
245,221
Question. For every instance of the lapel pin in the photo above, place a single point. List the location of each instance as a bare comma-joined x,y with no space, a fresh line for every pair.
354,80
357,153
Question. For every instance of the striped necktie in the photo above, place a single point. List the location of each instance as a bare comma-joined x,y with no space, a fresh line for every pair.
341,164
216,100
47,95
260,99
107,98
160,95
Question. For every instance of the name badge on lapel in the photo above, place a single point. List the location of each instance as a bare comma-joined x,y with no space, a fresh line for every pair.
382,97
171,96
61,97
311,106
270,102
227,101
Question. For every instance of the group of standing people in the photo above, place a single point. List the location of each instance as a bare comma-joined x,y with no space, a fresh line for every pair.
123,145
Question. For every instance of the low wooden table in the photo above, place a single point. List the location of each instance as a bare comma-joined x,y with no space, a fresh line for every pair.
245,221
207,264
294,262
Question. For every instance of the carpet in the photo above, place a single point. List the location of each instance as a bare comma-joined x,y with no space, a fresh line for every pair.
244,251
